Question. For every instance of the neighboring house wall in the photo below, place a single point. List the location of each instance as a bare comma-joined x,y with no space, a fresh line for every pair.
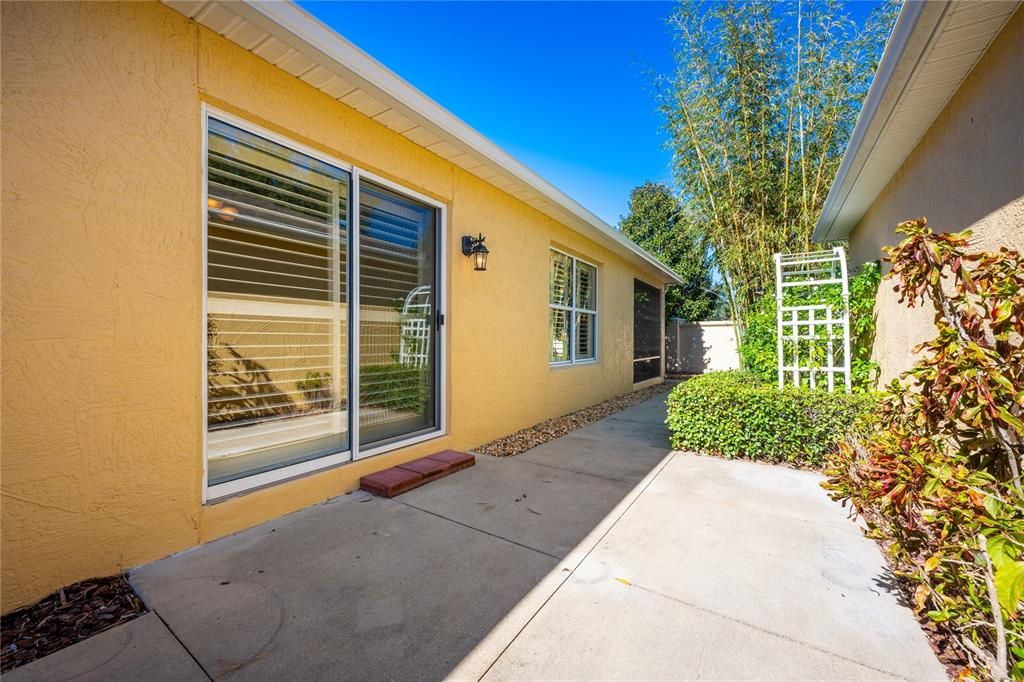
967,172
103,293
698,347
701,346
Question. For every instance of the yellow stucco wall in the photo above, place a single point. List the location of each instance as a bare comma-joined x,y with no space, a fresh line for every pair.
967,172
102,291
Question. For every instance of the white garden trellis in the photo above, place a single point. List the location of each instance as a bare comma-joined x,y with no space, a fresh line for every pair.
813,341
417,326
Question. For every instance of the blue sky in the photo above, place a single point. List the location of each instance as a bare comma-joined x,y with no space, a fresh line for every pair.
562,86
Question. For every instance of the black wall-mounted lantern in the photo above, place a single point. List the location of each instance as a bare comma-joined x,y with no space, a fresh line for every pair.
474,248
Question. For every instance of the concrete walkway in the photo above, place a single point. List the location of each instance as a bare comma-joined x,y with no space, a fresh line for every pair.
599,555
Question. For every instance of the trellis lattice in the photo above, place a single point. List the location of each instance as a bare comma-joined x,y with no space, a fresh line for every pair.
812,295
417,326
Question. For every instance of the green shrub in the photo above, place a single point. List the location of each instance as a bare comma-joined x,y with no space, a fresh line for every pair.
733,414
758,345
317,391
397,387
938,480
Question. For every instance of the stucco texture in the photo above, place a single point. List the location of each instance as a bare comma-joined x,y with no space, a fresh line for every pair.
966,172
102,288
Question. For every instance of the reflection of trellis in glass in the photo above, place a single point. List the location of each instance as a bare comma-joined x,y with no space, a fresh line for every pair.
416,328
812,340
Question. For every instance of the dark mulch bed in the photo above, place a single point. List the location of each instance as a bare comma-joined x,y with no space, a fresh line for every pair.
941,639
524,439
69,615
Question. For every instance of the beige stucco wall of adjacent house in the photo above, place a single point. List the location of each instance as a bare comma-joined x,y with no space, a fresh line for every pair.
699,347
102,288
967,172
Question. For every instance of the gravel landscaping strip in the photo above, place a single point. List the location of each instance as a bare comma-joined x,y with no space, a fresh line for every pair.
67,616
550,429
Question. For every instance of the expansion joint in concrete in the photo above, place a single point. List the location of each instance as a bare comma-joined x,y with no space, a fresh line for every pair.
479,530
182,644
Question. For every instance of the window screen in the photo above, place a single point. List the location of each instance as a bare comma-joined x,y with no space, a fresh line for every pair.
397,336
646,331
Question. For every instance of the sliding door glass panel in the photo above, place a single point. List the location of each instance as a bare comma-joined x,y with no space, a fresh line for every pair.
277,370
397,297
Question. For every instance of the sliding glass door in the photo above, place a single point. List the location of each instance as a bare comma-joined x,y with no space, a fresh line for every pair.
281,353
398,331
276,327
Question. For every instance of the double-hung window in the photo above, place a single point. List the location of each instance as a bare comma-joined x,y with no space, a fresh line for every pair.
572,314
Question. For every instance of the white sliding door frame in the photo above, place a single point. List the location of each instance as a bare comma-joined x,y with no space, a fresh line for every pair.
440,306
212,493
354,318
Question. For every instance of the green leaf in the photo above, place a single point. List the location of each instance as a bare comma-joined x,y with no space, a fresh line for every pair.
1000,551
1013,421
992,505
1010,585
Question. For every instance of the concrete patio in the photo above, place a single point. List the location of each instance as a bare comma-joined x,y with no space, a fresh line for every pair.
599,555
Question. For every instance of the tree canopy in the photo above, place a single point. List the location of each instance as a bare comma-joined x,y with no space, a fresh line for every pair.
657,223
760,107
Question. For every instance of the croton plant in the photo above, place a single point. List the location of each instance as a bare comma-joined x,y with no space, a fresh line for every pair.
937,471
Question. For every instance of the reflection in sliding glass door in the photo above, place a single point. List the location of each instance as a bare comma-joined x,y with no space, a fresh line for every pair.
397,332
280,257
277,368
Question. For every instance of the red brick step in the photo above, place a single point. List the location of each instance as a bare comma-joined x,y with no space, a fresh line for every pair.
404,477
425,466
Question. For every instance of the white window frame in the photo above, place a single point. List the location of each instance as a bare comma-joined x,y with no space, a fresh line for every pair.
211,493
572,310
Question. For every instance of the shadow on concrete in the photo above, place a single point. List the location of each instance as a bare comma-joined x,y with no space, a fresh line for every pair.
597,555
405,588
890,582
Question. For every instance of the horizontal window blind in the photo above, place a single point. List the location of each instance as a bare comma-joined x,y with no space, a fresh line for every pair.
396,306
586,286
561,279
278,268
584,336
277,232
559,327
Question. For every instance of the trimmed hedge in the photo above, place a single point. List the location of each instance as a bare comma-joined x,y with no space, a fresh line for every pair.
734,414
394,386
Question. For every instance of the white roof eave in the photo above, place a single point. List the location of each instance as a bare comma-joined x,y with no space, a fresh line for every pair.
875,152
293,26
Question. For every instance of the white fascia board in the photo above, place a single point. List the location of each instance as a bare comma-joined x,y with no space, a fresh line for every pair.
875,154
289,23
